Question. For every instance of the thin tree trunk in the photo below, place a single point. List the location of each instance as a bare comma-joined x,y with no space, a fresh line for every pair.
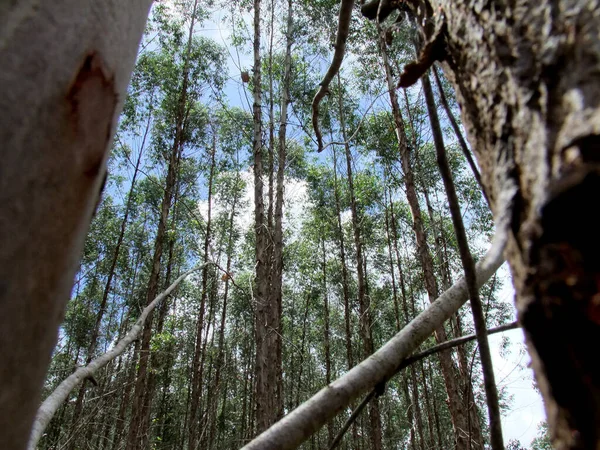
199,351
363,299
345,281
464,440
221,342
277,255
107,286
455,127
138,437
326,332
469,269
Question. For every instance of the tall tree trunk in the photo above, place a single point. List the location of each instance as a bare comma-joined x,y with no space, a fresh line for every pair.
277,256
363,298
221,342
56,128
265,389
464,439
414,410
198,359
326,331
345,281
138,437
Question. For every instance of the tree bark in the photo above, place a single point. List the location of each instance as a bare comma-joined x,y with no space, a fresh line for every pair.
363,298
60,105
198,359
527,82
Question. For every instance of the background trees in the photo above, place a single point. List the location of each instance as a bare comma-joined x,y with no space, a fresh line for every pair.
339,253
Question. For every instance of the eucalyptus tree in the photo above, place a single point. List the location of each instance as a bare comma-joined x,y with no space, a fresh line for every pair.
188,66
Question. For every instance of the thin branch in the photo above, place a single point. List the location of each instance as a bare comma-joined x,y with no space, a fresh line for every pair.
468,264
411,360
49,407
352,418
461,140
340,49
309,417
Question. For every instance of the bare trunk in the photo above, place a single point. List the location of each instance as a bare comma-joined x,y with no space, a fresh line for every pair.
198,359
464,438
277,256
264,395
221,342
363,298
342,247
56,128
326,332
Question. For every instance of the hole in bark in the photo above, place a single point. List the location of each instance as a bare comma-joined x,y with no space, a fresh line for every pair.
589,146
563,321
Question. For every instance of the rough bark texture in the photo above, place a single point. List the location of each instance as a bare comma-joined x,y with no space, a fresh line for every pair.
264,398
527,79
59,108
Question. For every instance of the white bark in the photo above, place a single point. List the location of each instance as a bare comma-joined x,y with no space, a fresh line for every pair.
65,68
47,410
309,417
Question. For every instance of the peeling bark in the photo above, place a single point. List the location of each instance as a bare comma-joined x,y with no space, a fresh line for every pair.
527,81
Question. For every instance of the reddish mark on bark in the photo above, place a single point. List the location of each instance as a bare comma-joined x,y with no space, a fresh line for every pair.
92,101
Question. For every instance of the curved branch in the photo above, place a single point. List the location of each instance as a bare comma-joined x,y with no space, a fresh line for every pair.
49,407
340,49
309,417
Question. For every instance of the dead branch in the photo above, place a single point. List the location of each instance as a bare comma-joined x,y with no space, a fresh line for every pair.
411,360
49,407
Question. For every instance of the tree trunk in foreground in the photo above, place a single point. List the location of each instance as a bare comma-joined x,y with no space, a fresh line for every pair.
59,104
528,82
